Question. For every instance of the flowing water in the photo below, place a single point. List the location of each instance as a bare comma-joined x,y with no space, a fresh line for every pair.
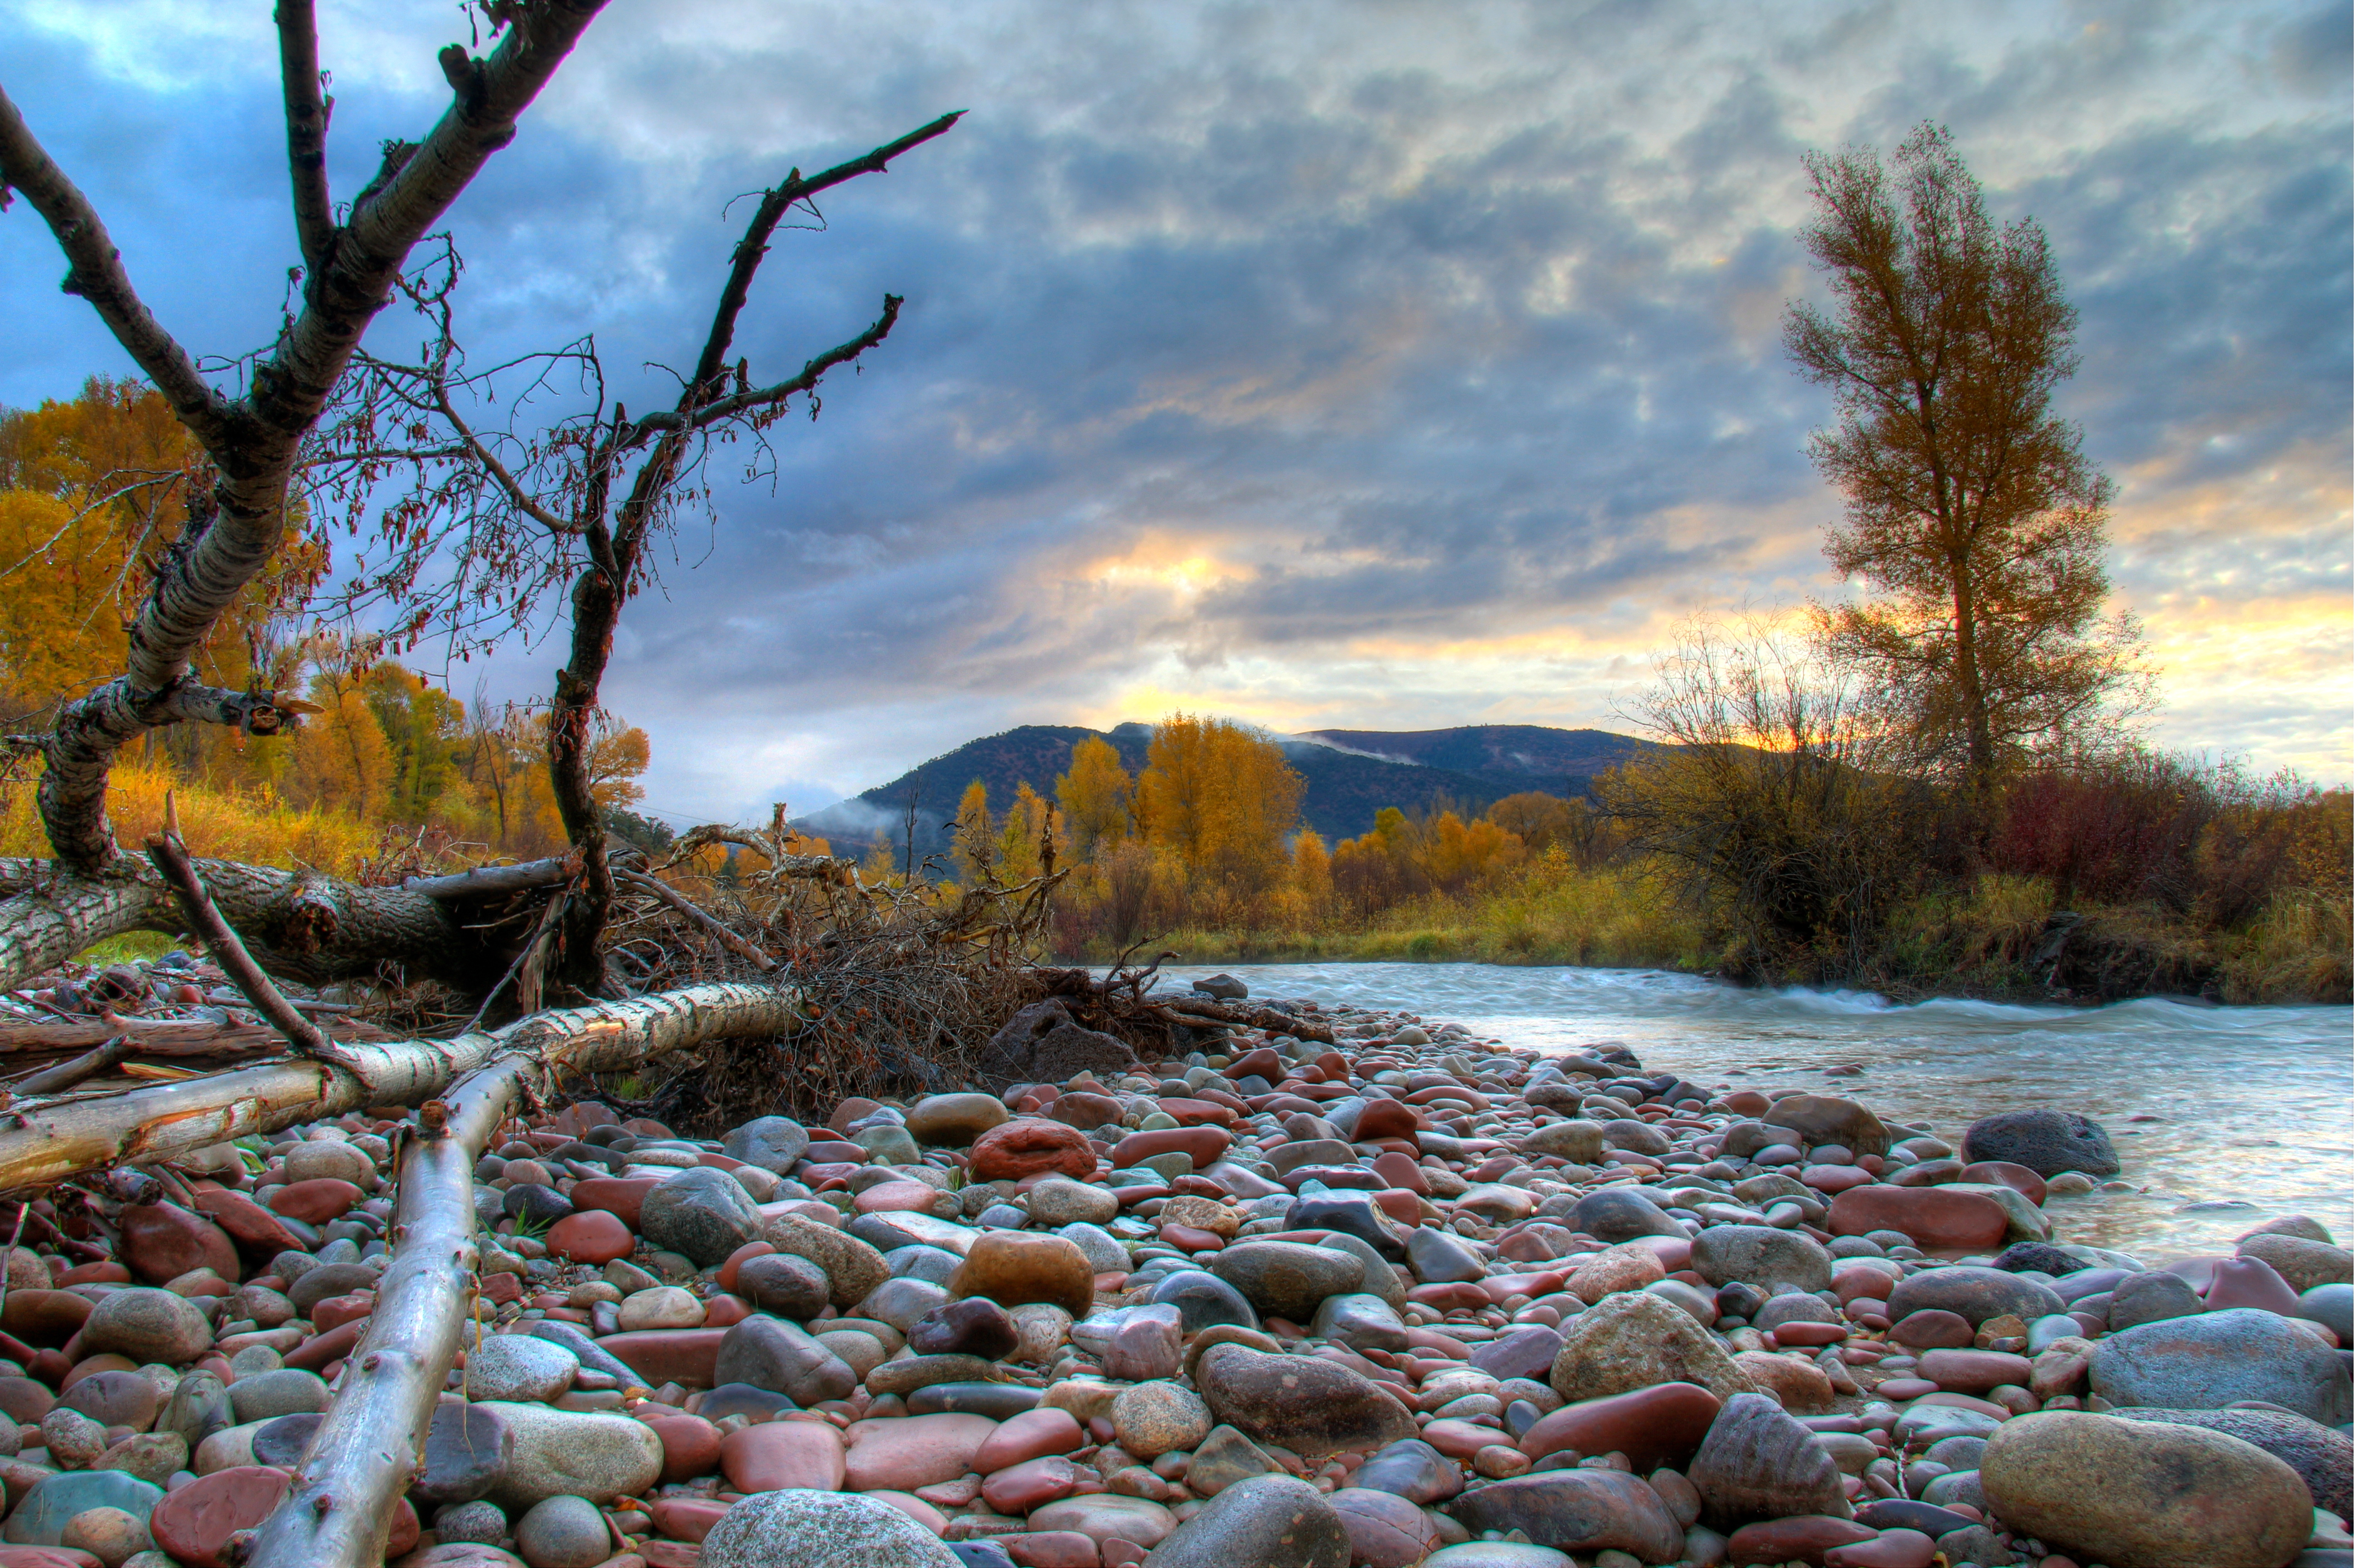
2223,1115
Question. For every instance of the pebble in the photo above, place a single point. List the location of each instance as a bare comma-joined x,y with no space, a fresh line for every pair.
1402,1300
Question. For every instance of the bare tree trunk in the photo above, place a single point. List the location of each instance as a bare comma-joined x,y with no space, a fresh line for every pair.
40,1145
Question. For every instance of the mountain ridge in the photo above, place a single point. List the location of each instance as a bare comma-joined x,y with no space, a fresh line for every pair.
1349,774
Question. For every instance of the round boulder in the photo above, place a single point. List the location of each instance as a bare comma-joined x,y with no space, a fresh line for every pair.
1268,1522
2046,1141
2144,1494
1761,1255
147,1326
808,1529
702,1214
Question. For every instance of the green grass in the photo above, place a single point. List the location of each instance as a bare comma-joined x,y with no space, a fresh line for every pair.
128,947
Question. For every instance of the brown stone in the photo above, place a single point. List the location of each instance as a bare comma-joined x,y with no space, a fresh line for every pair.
317,1201
623,1197
1825,1119
1933,1328
1207,1145
783,1456
1803,1538
193,1523
161,1241
1662,1425
683,1356
1386,1118
1803,1387
1974,1371
1937,1219
591,1236
1310,1405
1032,1146
43,1316
248,1224
1084,1110
902,1453
690,1445
2003,1173
1012,1268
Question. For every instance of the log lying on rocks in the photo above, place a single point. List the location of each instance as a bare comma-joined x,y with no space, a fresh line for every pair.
44,1144
372,1442
166,1036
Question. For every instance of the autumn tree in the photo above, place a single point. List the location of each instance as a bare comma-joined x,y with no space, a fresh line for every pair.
1222,799
1095,796
976,835
1973,516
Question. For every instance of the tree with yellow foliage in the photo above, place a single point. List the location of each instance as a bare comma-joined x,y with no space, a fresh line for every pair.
1221,798
976,839
1096,797
1311,873
1028,844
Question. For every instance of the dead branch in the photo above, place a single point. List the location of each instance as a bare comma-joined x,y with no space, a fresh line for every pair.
46,1144
667,895
306,130
489,881
166,1036
171,858
65,1074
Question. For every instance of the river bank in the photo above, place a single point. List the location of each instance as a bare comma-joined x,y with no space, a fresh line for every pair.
1377,1289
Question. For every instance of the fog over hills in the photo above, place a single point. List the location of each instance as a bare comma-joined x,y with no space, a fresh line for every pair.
1351,773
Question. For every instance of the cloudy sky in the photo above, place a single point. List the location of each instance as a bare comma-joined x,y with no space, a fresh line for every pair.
1376,363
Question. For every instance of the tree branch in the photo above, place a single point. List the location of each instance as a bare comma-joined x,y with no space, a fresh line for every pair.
736,403
171,858
733,943
95,272
494,466
306,130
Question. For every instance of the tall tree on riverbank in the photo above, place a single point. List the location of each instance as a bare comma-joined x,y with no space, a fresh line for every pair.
1972,512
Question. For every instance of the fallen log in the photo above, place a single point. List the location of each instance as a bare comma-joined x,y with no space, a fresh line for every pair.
44,1144
166,1036
371,1443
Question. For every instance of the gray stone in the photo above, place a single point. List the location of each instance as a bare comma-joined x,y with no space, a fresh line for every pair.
1616,1215
1592,1510
2152,1296
41,1517
198,1407
801,1529
329,1279
2046,1141
467,1449
512,1367
286,1391
1203,1300
1268,1522
2218,1359
1976,1294
1287,1279
562,1532
481,1523
1580,1141
783,1358
1757,1462
570,1452
1412,1469
282,1442
1224,1457
1762,1256
773,1143
1103,1255
1527,1352
1438,1258
1058,1200
932,1264
147,1326
1360,1321
1311,1406
702,1214
1350,1215
2322,1454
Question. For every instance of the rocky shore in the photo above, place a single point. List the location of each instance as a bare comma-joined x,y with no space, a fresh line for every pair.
1403,1298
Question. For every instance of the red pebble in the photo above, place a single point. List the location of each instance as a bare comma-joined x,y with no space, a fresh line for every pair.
590,1235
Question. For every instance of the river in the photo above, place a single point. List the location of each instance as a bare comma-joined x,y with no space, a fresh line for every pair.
2223,1117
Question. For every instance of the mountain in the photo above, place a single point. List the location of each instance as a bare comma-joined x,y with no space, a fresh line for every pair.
1349,774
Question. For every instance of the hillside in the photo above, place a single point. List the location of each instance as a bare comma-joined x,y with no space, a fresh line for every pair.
1349,774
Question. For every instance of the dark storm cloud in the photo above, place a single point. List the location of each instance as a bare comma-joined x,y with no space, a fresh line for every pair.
1240,339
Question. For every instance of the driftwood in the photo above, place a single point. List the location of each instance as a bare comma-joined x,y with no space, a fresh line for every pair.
66,1073
43,1144
165,1036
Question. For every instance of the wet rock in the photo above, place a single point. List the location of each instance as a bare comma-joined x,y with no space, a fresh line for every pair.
1311,1406
1826,1119
2152,1295
2218,1358
2046,1141
702,1214
821,1530
1758,1463
2302,1262
1634,1341
1579,1510
1268,1522
2142,1493
1936,1219
1761,1255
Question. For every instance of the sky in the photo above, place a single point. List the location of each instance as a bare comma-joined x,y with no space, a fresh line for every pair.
1357,364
